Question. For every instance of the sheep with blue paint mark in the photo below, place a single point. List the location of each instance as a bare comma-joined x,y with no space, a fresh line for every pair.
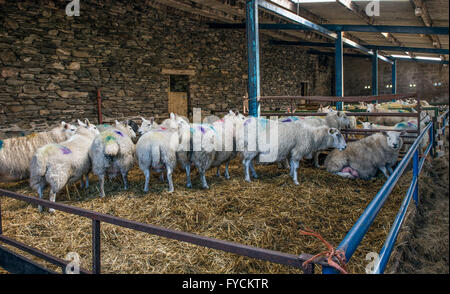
272,141
60,164
111,153
16,153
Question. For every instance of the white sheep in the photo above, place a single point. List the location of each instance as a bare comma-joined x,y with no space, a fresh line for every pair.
385,120
226,134
147,125
288,140
157,149
63,163
363,158
112,152
16,153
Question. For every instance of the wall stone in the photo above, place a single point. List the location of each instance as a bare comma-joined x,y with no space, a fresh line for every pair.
358,73
51,65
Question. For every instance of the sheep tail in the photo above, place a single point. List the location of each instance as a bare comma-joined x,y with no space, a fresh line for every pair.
111,146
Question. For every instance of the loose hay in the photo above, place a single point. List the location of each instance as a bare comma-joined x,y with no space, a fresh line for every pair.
267,213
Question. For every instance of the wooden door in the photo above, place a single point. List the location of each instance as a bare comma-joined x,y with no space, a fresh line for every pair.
178,103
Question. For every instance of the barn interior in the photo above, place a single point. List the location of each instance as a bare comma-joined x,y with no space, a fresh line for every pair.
114,59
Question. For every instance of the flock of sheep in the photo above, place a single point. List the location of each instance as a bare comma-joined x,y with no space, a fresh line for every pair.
68,153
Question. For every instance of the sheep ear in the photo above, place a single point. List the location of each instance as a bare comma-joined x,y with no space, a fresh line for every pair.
117,123
64,124
81,123
143,119
332,131
384,133
231,112
152,119
172,115
87,121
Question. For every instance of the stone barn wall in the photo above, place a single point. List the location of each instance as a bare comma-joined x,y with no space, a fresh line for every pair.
358,73
51,65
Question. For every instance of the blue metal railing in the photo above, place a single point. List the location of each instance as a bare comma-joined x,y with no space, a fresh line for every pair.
362,225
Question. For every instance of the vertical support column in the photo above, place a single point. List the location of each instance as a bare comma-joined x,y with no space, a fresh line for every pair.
95,246
394,77
416,175
1,231
252,31
339,69
375,73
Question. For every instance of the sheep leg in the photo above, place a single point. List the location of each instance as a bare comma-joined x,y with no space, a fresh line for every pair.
41,195
82,182
203,179
169,178
389,169
316,159
218,172
384,171
345,175
161,177
52,198
252,169
125,180
227,173
246,164
101,183
188,176
147,179
87,182
294,165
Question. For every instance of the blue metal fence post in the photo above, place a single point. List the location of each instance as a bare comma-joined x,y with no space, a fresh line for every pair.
375,73
416,175
339,69
394,77
252,32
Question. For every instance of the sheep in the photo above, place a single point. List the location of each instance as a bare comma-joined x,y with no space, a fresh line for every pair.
198,145
405,125
128,122
16,153
112,151
385,120
333,119
63,163
363,158
288,140
147,125
172,121
157,149
225,128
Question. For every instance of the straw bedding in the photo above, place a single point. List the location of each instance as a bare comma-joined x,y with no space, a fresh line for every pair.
267,213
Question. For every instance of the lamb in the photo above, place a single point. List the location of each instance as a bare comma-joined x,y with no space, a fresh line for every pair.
63,163
16,153
363,158
288,140
112,151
